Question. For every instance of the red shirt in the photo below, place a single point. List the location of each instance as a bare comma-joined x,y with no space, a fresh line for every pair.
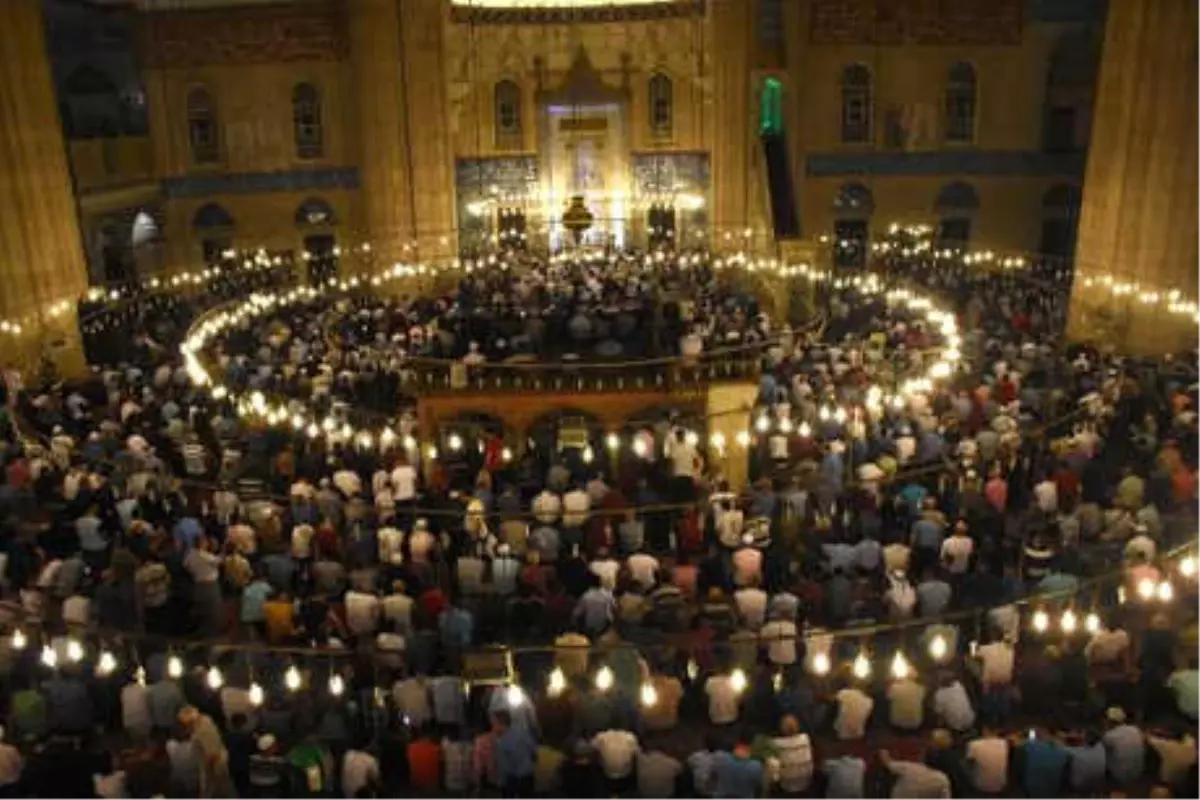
425,765
433,602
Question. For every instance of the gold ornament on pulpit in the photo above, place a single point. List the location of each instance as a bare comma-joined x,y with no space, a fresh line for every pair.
577,218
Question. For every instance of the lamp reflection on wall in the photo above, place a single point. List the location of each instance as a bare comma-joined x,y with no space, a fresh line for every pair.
690,201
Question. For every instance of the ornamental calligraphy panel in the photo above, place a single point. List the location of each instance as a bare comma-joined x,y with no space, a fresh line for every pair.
247,35
925,22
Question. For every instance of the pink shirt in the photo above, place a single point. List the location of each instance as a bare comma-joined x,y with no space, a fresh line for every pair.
747,565
996,493
684,576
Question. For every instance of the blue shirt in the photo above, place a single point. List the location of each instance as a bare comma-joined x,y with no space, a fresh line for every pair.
927,533
186,532
516,753
839,556
1044,765
845,776
280,569
456,627
253,598
736,777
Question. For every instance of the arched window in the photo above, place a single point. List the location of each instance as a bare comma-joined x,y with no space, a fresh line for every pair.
955,206
202,126
314,211
662,106
508,113
856,104
960,103
853,206
1070,83
306,121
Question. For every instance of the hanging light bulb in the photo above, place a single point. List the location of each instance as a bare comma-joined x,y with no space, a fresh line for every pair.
900,667
1187,567
1041,621
514,696
175,667
862,666
649,695
785,425
820,664
717,440
693,669
737,679
743,438
612,441
777,682
604,678
49,657
337,685
455,442
106,665
1091,622
804,430
588,455
1069,621
140,676
557,683
214,678
639,448
1146,588
762,424
291,678
938,647
19,640
256,695
74,651
1166,592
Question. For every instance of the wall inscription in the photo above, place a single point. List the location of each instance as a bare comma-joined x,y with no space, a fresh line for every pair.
246,35
938,22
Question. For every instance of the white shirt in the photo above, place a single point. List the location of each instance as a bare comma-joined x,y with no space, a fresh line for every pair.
990,759
1106,646
956,553
76,610
752,605
358,770
795,762
722,700
135,708
347,482
682,456
854,706
617,751
302,536
546,507
914,779
390,541
575,504
404,482
606,570
895,557
362,612
1046,494
642,568
779,637
398,608
952,704
997,659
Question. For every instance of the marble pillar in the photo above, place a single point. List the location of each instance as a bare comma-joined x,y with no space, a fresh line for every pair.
42,268
732,34
1138,222
387,197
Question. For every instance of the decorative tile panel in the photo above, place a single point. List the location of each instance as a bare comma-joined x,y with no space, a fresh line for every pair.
665,173
253,182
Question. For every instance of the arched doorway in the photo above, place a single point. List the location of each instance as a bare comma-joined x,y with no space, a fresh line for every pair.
853,206
1060,222
213,226
467,442
315,218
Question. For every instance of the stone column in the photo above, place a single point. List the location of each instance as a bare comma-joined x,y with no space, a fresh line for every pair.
424,75
1138,221
41,251
383,162
732,29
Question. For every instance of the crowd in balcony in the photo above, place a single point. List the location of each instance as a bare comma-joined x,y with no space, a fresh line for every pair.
669,636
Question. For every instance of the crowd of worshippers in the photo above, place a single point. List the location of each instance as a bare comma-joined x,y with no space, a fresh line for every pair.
301,542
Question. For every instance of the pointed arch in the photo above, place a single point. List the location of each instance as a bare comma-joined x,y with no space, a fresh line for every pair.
307,130
856,103
202,125
960,103
661,93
